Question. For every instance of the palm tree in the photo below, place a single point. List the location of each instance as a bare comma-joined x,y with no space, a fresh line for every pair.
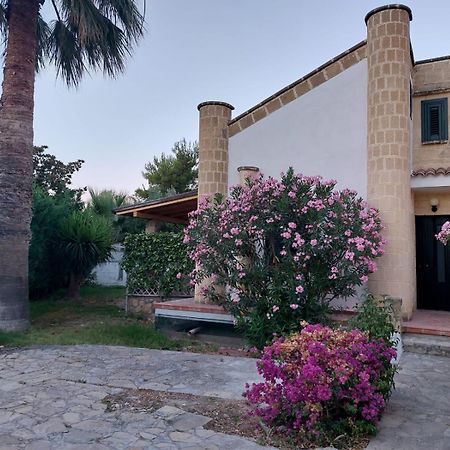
86,35
86,240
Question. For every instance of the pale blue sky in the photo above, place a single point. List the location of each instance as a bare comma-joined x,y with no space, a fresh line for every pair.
238,51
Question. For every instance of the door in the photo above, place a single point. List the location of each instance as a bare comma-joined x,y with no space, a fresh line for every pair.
432,264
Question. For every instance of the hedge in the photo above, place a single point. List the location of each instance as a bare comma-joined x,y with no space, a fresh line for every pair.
158,262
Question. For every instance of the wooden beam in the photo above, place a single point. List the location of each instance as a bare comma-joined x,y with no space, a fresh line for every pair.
168,219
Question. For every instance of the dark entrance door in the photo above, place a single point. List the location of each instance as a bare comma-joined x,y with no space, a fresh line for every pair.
433,265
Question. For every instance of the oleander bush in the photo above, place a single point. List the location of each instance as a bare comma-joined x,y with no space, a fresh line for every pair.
279,251
321,384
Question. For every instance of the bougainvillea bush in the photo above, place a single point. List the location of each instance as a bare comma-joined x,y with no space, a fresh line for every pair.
278,251
322,383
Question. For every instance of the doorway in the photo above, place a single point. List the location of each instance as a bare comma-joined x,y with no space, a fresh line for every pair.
432,264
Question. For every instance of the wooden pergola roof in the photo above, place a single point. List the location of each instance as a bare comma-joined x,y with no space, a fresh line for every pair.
173,209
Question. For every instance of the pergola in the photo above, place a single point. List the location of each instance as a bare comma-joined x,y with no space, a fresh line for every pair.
173,209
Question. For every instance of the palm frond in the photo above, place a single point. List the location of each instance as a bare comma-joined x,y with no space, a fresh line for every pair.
65,52
108,53
3,25
105,31
125,14
43,35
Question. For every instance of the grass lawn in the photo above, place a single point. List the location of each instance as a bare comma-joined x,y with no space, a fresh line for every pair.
94,319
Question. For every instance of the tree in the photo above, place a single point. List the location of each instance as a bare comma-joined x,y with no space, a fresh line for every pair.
87,34
103,204
177,172
53,202
278,251
47,270
85,240
52,175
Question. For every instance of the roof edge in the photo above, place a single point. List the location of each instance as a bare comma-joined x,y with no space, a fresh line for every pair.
431,171
432,60
158,201
300,80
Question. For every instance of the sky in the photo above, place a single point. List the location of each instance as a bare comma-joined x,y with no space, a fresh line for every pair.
237,51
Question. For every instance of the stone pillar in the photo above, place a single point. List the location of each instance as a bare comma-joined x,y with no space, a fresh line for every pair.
213,148
213,155
152,226
247,172
388,146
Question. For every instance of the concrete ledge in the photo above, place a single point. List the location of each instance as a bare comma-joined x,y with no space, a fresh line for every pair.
201,316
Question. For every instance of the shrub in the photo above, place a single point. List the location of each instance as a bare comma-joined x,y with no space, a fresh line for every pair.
47,267
375,318
322,383
157,261
280,251
85,240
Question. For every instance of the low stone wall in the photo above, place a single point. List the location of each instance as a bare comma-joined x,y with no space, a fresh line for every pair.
142,305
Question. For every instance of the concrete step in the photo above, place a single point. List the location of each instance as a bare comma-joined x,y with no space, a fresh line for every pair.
426,344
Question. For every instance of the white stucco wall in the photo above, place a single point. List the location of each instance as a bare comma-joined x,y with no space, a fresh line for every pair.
111,273
323,132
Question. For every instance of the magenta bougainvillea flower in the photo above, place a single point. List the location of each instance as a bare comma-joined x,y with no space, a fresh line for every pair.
321,380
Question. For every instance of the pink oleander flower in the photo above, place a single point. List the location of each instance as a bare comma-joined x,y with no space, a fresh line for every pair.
293,306
179,275
444,235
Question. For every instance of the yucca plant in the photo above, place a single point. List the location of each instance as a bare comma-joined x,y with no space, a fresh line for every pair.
82,36
85,240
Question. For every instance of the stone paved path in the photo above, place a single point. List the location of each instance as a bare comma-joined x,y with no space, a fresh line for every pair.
418,414
50,398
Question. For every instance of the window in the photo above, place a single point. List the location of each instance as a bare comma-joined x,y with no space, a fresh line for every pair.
434,120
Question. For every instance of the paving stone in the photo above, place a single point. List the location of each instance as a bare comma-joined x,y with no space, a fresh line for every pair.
168,412
75,436
188,421
71,418
179,436
201,432
50,427
38,445
98,426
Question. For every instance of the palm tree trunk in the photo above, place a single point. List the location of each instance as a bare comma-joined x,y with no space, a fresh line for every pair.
16,142
73,290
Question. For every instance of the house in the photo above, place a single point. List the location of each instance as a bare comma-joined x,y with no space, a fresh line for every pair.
374,119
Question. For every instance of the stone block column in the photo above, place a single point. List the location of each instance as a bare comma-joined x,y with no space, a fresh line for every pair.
213,154
213,148
389,152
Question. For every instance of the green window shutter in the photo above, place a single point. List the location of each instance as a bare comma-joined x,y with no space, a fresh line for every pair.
434,120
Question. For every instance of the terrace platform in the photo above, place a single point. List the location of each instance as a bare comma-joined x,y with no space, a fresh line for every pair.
189,309
427,322
435,323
